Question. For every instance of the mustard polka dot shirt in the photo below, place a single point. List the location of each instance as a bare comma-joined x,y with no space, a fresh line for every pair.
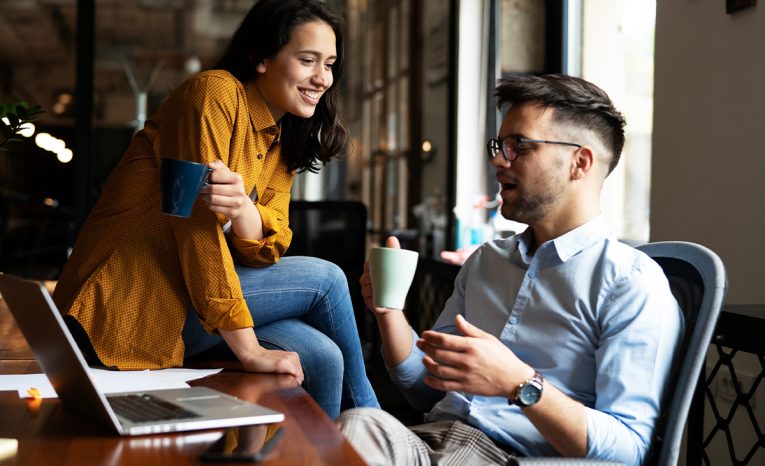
134,273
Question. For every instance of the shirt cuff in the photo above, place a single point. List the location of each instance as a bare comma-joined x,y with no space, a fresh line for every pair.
259,252
226,314
410,370
270,219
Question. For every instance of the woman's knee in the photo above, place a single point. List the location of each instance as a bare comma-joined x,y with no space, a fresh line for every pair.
328,281
329,273
291,269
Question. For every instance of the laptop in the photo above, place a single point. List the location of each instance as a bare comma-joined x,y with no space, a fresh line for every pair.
133,413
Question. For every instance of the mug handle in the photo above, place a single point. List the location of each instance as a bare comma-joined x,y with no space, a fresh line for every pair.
206,178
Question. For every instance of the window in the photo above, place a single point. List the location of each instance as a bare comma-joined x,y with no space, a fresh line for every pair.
610,43
617,54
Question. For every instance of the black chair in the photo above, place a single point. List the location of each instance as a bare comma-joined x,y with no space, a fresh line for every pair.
335,231
697,278
432,286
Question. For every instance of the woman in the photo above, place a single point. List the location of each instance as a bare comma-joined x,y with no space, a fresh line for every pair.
145,290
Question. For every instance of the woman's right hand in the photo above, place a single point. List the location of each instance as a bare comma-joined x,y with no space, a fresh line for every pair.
282,362
255,358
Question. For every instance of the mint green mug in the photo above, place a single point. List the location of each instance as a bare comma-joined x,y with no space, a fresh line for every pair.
392,271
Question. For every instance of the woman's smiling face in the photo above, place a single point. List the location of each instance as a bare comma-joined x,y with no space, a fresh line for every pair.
294,80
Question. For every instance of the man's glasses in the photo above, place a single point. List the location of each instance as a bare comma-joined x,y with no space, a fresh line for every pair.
512,146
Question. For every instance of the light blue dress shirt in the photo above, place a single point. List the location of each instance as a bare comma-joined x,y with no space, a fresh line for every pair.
594,316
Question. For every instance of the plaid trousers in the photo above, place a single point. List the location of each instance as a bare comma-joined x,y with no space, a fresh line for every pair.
382,440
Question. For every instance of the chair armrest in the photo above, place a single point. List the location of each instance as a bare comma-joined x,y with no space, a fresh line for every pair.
560,462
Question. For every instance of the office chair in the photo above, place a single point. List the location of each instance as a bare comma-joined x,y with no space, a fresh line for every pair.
697,278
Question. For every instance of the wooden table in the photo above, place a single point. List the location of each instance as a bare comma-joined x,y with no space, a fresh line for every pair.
54,435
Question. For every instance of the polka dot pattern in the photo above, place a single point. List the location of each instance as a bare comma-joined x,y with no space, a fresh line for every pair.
134,273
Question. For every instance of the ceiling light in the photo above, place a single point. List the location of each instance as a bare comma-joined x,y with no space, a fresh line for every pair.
42,140
65,156
192,65
27,130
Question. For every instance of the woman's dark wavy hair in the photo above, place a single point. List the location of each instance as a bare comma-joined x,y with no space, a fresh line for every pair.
264,31
575,101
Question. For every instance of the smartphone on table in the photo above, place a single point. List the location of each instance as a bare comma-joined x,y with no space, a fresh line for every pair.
245,444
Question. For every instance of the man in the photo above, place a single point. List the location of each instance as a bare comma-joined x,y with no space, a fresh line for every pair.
556,341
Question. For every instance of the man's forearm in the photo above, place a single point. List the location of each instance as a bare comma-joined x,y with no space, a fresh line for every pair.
561,420
396,337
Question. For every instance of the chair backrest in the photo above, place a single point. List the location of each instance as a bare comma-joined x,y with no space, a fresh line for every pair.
432,286
334,231
697,278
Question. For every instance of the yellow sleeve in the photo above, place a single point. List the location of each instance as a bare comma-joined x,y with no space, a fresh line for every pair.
273,206
196,123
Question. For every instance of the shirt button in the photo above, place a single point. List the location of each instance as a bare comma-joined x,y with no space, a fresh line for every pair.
532,275
260,156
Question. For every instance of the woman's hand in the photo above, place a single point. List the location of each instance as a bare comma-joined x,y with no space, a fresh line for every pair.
226,194
255,358
281,362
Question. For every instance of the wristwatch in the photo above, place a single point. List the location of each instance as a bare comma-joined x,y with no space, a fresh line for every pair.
529,392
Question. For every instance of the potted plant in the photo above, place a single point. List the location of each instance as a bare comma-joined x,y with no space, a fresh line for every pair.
13,117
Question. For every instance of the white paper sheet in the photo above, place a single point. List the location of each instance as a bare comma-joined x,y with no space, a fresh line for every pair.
110,381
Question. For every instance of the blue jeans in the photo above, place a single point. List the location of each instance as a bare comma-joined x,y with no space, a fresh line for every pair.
302,304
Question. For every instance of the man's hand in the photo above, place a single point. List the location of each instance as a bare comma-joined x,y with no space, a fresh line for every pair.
476,362
395,332
366,282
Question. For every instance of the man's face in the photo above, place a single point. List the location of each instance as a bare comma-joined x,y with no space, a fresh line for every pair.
533,186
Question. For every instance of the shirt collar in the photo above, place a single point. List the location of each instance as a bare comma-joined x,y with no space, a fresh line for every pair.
260,116
571,243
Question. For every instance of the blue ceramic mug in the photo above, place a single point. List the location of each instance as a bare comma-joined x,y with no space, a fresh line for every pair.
181,181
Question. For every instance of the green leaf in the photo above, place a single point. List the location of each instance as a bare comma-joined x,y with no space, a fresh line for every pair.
17,114
21,111
35,110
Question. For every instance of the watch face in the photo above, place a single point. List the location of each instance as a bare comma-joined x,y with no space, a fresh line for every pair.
529,394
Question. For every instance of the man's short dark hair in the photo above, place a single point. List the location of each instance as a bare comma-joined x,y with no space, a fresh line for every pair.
576,101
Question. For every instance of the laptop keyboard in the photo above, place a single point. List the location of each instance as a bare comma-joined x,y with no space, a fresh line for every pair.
147,408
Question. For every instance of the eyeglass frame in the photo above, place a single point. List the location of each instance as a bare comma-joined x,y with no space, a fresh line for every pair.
493,146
